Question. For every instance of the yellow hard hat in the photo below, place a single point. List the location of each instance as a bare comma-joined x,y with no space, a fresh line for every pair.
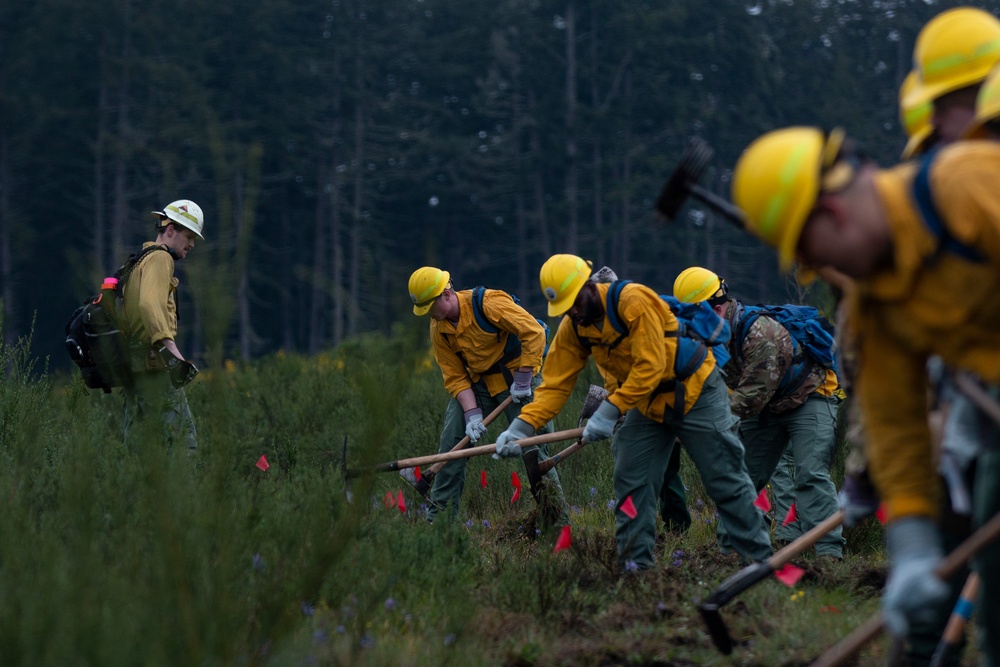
916,119
561,278
987,105
426,284
957,48
695,284
776,182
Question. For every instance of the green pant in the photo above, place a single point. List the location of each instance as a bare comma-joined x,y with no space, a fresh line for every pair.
803,441
152,394
642,451
985,505
450,481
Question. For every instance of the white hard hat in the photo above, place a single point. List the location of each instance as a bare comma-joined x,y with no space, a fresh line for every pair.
186,214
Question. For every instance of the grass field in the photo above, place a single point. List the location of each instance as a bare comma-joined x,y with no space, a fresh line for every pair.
111,556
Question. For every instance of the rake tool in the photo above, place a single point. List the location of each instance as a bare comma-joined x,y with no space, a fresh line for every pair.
426,479
752,574
683,183
955,628
849,646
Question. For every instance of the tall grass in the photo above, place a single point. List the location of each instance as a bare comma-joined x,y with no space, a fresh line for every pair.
114,556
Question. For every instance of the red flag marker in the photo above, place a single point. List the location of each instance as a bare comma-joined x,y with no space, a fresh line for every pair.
763,502
628,507
791,517
881,514
829,609
515,481
565,540
401,502
482,479
416,473
389,500
789,574
262,463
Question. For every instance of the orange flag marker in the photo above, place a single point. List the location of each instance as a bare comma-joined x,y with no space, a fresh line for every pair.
628,507
791,517
565,540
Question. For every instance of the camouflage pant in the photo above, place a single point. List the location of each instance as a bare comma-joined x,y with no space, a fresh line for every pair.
153,395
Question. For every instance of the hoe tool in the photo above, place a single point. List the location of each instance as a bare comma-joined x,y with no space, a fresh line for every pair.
752,574
391,466
849,646
683,183
423,485
955,628
536,469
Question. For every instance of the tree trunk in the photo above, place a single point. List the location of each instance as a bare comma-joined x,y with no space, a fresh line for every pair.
354,281
572,166
317,300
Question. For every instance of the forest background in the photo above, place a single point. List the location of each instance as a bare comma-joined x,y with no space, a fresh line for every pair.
336,146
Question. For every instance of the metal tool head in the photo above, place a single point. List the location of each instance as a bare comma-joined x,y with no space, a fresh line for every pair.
595,396
677,189
530,460
716,627
421,484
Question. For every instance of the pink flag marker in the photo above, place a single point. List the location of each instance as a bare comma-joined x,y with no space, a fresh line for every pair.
416,473
791,517
389,500
482,479
564,541
400,501
628,507
881,514
763,502
789,575
262,463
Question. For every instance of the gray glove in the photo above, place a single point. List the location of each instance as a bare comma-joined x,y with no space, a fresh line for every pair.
602,423
506,447
858,499
520,389
474,426
913,589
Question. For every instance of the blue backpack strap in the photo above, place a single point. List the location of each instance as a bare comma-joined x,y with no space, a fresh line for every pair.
477,310
932,220
611,305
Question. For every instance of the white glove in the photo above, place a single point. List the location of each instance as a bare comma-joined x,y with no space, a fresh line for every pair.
520,389
602,423
474,426
506,445
913,589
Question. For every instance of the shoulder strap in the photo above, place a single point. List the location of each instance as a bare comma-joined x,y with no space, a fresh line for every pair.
477,310
611,305
126,269
925,202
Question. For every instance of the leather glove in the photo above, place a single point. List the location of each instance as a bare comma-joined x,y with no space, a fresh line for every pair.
520,389
912,590
180,371
858,499
506,447
474,426
602,423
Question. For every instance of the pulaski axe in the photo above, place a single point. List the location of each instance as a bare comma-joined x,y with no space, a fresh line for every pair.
683,183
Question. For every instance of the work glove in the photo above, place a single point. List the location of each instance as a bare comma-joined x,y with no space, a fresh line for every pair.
602,423
520,389
913,590
858,499
506,447
180,370
474,426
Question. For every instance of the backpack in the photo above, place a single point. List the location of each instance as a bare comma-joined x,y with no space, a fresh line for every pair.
812,339
94,337
928,212
699,329
512,349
